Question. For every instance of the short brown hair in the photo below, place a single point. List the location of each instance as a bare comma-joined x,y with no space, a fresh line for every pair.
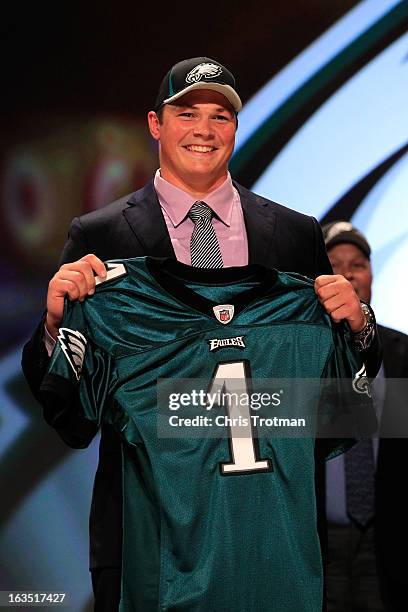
159,114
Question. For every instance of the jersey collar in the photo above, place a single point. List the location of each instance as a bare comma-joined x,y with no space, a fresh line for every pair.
173,275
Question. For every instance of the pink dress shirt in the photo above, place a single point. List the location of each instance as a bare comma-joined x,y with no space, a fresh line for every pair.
228,221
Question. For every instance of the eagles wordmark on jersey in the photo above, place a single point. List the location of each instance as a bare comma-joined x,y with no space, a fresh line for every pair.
210,523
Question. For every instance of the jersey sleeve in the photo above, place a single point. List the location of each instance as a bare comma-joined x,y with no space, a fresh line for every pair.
346,411
76,390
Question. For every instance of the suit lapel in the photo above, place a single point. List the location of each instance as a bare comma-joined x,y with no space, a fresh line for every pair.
146,221
260,223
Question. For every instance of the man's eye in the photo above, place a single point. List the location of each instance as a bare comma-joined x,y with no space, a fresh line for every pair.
221,117
186,114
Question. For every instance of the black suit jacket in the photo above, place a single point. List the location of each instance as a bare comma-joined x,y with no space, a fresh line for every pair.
391,515
134,226
391,523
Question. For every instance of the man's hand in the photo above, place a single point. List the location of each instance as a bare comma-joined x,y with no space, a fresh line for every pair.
74,279
338,297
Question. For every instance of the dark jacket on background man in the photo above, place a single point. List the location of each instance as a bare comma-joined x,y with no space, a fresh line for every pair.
391,517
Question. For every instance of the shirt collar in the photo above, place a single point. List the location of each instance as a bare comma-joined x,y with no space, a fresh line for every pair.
177,202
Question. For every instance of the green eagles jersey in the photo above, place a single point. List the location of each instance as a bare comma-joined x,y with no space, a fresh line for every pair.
210,523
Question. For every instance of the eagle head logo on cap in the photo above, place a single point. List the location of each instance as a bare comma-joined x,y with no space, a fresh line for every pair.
338,228
203,71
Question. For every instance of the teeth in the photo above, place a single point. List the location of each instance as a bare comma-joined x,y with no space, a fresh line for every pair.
199,148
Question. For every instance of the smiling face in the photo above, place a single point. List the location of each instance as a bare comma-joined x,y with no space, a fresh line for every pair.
348,260
196,138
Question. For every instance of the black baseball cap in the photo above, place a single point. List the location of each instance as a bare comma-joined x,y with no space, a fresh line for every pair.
198,73
340,232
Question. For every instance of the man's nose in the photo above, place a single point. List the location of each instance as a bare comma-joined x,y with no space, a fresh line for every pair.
347,273
344,270
203,128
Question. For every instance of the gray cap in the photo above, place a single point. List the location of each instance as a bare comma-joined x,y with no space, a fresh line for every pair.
340,232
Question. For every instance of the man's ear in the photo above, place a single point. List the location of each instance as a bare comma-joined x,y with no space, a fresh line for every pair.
154,124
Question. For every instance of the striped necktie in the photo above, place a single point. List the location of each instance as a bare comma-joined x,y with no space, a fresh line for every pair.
204,248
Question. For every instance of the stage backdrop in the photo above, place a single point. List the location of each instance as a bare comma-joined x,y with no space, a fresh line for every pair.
327,136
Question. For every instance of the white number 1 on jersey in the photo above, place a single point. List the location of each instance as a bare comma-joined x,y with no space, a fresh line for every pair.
231,378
